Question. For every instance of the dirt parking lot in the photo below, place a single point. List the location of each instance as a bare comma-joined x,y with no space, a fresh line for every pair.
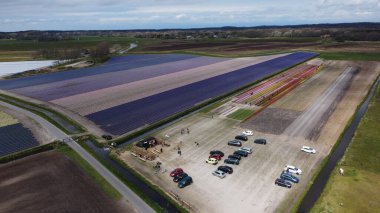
251,187
50,182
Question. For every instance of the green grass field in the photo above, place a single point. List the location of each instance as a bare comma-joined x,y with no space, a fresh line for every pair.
240,114
6,120
94,175
358,190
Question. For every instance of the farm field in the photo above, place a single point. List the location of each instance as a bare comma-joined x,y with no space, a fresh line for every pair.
7,68
51,182
286,126
14,136
129,92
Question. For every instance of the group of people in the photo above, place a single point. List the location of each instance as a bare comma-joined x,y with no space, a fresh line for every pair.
183,131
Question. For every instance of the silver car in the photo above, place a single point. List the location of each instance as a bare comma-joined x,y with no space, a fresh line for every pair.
219,174
246,149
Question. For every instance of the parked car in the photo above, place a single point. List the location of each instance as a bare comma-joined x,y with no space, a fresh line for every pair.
241,137
219,174
231,161
246,149
293,169
176,172
216,156
185,182
212,161
247,132
179,177
289,177
260,141
234,143
107,137
217,152
241,153
226,169
308,149
284,183
235,157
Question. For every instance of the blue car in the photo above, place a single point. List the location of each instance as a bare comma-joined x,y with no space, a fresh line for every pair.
289,177
185,181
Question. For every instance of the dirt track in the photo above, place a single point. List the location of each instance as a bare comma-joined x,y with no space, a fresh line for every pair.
251,187
308,124
50,182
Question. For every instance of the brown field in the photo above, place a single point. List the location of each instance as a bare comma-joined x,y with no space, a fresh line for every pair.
229,46
257,46
251,187
50,182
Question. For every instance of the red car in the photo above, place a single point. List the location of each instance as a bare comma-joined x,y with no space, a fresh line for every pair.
216,156
175,172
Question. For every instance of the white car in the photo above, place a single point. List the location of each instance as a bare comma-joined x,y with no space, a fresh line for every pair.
247,132
246,149
293,169
308,149
219,174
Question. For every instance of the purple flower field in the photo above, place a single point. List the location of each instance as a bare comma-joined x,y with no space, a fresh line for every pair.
65,88
127,117
128,92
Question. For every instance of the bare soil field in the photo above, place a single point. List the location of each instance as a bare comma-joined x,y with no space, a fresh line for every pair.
246,47
98,100
50,182
251,187
229,46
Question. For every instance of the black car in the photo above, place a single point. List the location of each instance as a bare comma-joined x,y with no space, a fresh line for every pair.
235,157
185,181
283,183
231,161
107,137
217,152
241,137
179,177
241,153
226,169
260,141
234,143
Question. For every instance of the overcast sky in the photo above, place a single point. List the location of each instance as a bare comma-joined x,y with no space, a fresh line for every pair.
18,15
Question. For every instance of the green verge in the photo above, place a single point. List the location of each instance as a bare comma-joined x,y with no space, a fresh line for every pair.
214,106
152,204
16,102
240,114
324,161
352,56
91,172
357,190
201,105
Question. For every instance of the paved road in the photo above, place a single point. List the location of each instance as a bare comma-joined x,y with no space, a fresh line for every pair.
137,203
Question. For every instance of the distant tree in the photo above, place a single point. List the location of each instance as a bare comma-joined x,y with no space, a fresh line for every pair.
101,53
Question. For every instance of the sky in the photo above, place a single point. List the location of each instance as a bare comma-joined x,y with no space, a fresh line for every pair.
17,15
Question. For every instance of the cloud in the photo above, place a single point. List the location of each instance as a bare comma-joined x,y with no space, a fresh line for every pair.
130,14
